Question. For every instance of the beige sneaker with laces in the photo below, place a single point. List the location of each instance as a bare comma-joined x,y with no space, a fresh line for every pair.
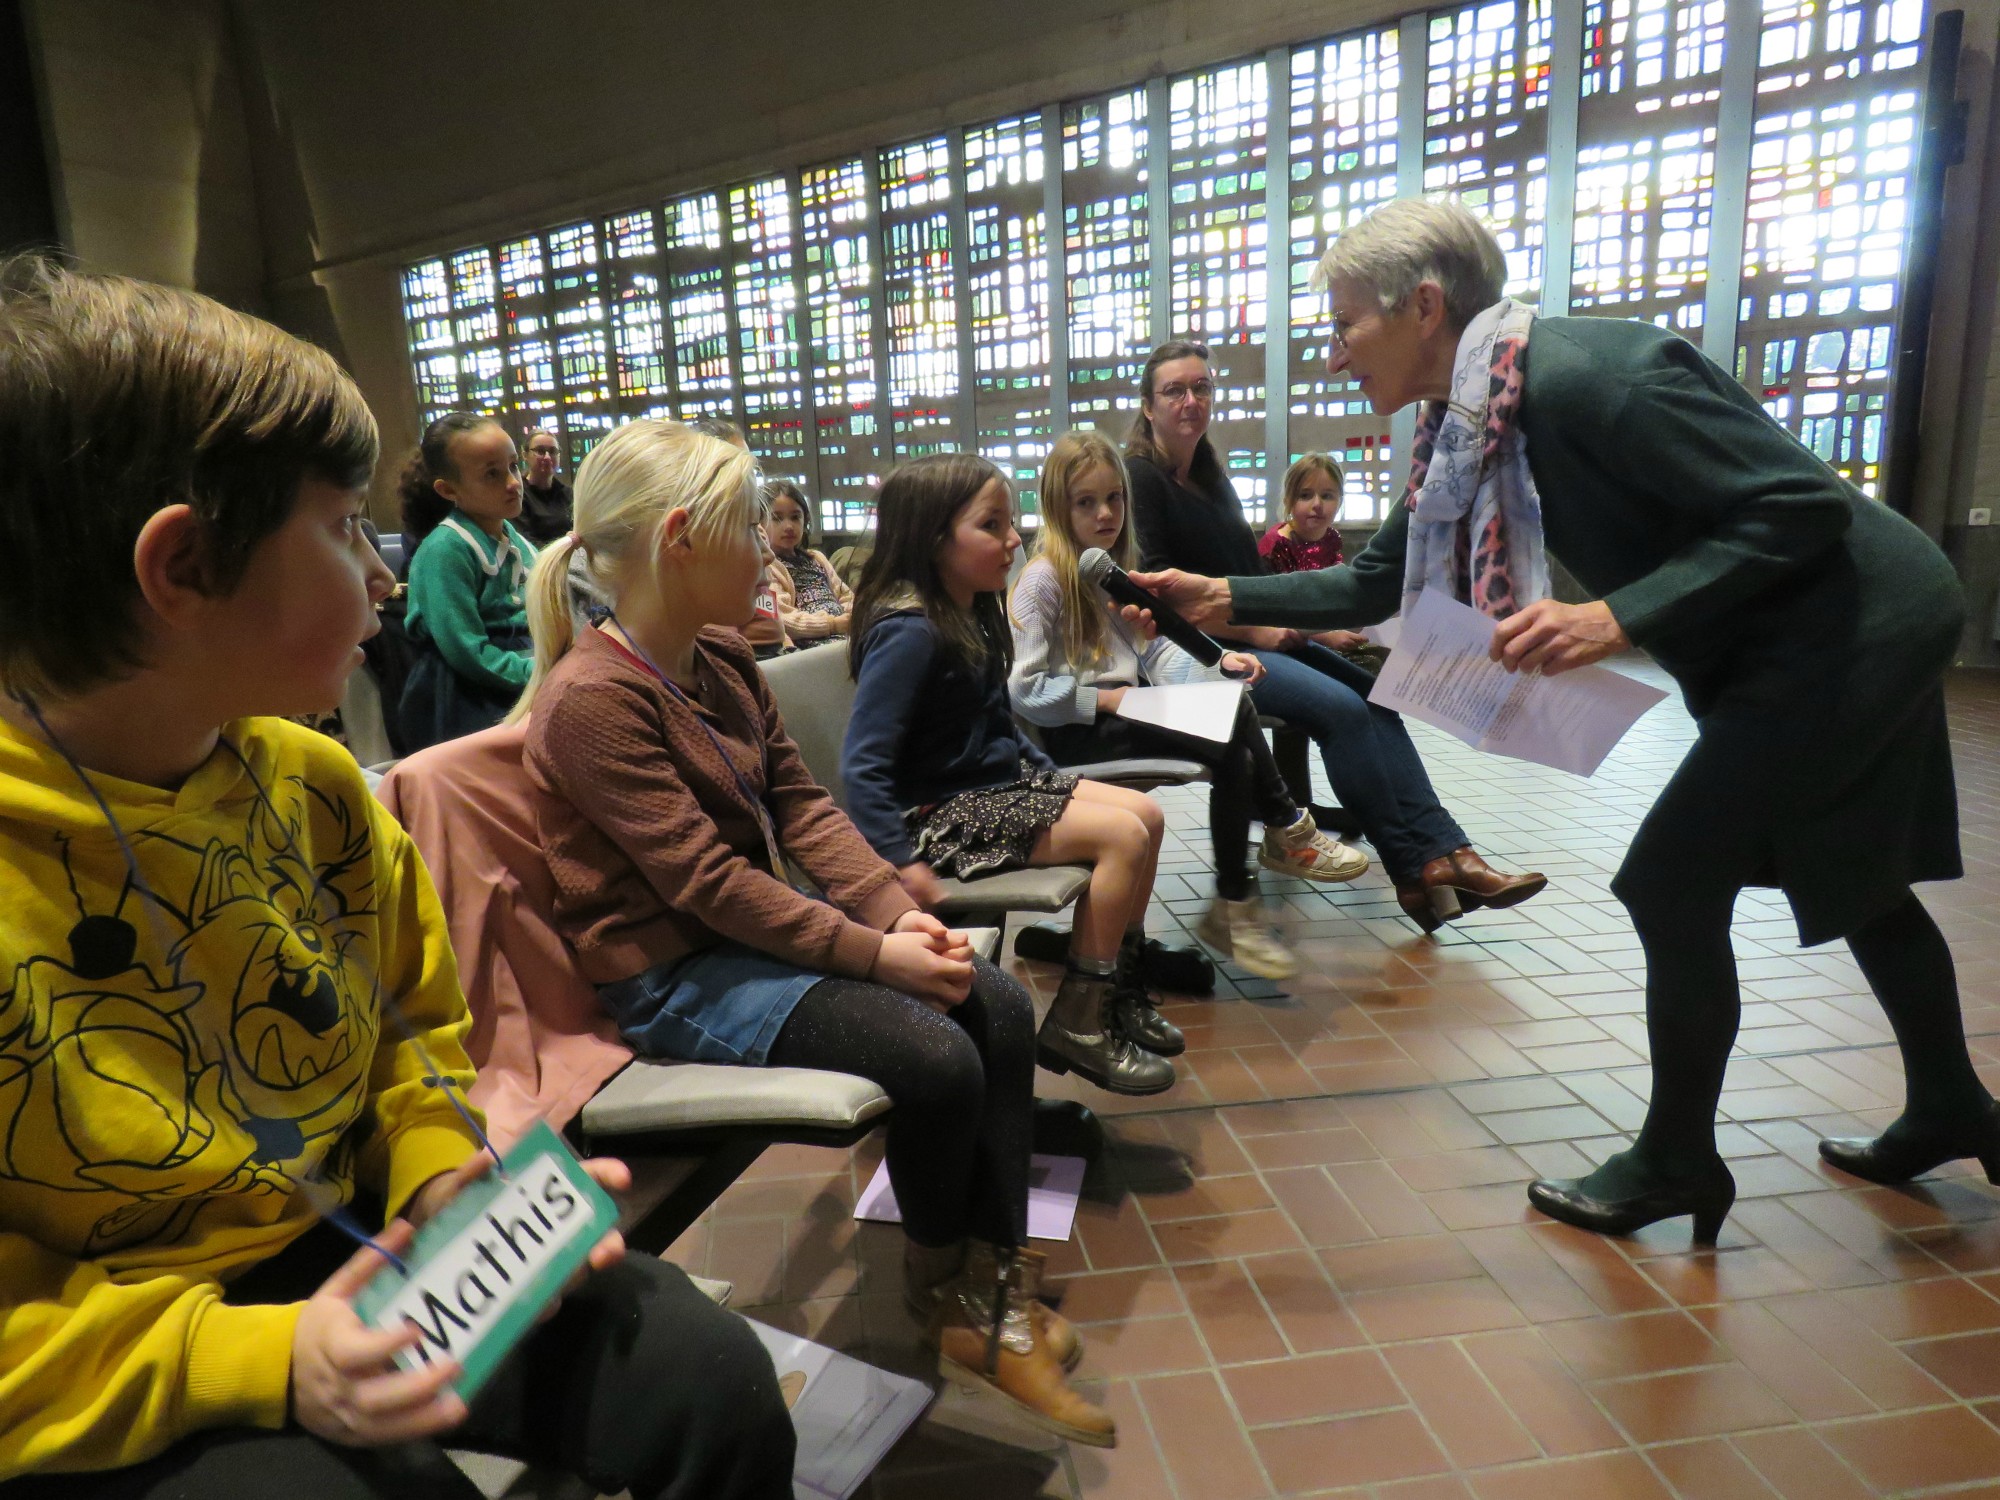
1304,851
1237,930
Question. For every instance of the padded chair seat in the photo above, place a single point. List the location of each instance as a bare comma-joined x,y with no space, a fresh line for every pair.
654,1096
1015,890
650,1097
1142,773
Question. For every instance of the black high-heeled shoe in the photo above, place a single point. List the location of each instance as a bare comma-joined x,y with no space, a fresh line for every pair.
1708,1196
1893,1158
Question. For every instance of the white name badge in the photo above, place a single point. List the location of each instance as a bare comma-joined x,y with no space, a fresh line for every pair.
492,1259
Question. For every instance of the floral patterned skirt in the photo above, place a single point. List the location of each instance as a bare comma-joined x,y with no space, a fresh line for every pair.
990,828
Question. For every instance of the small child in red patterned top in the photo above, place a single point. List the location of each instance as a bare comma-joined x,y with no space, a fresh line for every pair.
1306,540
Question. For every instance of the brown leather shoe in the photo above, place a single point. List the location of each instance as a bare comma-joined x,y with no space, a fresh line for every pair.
1458,882
988,1341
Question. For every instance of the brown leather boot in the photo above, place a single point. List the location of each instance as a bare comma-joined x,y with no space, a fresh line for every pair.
1459,882
1064,1342
927,1273
988,1341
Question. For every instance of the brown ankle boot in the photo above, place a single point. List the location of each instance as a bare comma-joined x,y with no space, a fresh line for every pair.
988,1341
926,1273
1458,882
1064,1342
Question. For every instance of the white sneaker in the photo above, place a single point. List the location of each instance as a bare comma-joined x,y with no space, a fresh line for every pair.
1304,851
1237,930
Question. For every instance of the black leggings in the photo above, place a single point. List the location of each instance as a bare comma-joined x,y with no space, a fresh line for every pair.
1245,782
637,1383
963,1085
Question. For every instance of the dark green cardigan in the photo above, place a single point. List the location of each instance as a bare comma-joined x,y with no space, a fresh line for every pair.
1761,580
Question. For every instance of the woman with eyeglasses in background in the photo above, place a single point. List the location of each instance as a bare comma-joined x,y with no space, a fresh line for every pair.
545,497
1189,517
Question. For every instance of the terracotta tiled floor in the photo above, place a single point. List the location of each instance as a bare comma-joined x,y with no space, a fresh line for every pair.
1310,1267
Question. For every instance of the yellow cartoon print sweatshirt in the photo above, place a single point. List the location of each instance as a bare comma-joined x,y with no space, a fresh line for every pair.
179,1072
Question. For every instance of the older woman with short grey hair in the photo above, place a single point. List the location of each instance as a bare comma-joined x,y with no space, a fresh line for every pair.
1807,626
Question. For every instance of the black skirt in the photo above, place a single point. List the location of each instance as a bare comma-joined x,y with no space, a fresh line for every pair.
990,828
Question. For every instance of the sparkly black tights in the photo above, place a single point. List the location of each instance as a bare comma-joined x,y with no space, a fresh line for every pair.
963,1087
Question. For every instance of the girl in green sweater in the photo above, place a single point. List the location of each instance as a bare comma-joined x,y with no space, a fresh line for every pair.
468,567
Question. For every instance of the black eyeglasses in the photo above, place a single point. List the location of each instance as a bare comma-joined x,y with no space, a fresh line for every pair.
1175,394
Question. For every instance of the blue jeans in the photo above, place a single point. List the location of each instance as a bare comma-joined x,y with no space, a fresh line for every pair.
1370,761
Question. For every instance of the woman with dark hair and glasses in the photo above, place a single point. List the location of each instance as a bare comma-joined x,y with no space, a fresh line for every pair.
1188,517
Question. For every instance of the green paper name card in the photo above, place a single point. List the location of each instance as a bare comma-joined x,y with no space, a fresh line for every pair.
492,1259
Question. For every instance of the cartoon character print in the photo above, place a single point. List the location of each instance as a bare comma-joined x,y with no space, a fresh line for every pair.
227,1065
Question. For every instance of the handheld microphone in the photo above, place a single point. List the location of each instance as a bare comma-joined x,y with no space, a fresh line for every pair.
1096,566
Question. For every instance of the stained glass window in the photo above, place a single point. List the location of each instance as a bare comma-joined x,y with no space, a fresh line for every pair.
767,329
1218,124
427,311
476,327
1342,164
528,351
1105,265
1832,158
583,356
698,307
638,316
923,313
1645,159
840,312
1006,261
1486,123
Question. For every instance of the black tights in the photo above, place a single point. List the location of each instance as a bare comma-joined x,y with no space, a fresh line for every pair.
1245,782
963,1085
1705,840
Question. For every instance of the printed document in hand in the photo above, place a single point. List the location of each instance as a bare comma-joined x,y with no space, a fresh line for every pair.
1440,673
1206,710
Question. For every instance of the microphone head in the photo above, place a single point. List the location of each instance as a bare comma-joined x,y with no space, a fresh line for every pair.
1095,565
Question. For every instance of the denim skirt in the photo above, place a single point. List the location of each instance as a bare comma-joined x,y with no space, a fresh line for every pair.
725,1004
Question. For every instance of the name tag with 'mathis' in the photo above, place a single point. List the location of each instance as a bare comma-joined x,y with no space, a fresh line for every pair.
492,1259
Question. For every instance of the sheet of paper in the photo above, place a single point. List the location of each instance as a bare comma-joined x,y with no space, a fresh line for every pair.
848,1416
1206,710
1054,1185
1386,633
1440,674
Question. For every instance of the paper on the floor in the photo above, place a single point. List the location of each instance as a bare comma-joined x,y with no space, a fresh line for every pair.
1206,710
1054,1185
848,1416
1440,673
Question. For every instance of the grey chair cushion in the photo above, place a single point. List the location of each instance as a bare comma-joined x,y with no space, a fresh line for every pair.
649,1097
1142,773
654,1096
1015,890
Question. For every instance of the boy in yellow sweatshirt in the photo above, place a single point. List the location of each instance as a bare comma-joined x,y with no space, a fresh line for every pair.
230,1024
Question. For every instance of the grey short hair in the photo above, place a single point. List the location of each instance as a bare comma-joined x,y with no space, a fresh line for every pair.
1412,240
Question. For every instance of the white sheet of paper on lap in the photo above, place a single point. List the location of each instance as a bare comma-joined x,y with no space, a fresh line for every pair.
848,1416
1440,673
1206,710
1054,1185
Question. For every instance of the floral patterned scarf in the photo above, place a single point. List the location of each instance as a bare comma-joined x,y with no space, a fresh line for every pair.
1476,521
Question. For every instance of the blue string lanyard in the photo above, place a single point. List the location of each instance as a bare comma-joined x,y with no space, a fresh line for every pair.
318,1195
772,848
